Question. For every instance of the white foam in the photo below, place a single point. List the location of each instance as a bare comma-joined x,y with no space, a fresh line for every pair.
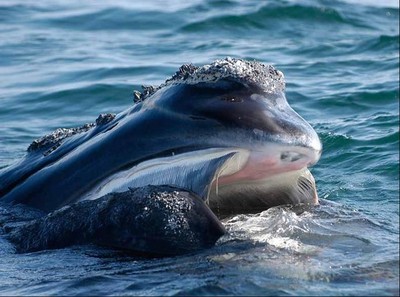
276,227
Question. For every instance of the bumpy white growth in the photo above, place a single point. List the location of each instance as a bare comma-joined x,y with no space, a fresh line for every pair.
246,72
53,140
267,76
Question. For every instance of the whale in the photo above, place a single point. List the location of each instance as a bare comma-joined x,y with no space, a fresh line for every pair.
222,131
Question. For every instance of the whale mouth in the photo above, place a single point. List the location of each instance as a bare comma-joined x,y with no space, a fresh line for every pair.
253,181
262,164
231,181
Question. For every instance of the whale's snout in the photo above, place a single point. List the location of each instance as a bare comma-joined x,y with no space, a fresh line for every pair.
261,121
274,121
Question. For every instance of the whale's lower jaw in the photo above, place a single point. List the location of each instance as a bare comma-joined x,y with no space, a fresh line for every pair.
289,188
225,178
253,181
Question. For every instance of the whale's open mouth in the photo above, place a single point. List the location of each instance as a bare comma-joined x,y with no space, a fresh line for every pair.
260,165
254,181
230,180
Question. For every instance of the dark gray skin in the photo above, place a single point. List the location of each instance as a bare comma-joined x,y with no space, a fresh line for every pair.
231,105
138,220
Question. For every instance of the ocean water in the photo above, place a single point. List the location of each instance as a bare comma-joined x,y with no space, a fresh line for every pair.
64,62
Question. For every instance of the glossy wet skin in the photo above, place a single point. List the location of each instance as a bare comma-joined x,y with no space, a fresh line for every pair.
188,120
247,117
235,108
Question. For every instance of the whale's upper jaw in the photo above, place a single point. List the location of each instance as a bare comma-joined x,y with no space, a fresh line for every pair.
253,73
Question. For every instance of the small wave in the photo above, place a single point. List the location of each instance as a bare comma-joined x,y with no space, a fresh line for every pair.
267,17
332,140
13,12
114,18
380,129
71,100
380,43
360,100
369,99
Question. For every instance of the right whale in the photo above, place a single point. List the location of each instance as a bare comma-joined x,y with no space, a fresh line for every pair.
223,131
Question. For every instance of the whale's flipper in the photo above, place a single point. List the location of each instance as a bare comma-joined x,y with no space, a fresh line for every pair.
153,220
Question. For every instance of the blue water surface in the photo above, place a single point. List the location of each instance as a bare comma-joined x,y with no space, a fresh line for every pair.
64,62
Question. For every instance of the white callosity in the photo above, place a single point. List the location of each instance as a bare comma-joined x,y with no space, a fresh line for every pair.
254,72
53,140
243,71
56,136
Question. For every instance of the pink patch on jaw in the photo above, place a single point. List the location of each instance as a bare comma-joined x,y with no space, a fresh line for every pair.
260,166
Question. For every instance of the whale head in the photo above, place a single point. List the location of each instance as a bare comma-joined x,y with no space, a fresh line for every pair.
236,140
224,131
